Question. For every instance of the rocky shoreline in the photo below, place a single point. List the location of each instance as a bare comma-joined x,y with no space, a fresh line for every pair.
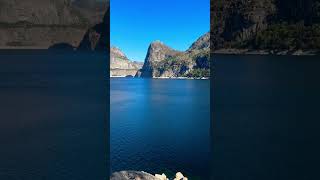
182,78
141,175
266,52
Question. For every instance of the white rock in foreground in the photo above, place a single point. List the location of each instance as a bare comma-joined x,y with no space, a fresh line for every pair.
161,177
140,175
179,176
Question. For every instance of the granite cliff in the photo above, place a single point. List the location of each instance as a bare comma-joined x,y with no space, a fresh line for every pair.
164,62
265,26
120,65
43,23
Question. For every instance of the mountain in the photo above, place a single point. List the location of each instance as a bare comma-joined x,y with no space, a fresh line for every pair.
163,61
265,26
43,23
92,10
120,65
156,55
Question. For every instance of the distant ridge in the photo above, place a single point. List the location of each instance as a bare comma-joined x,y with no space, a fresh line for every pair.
120,65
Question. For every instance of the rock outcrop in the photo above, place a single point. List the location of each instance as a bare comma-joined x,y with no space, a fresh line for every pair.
120,65
97,38
164,62
42,23
140,175
179,176
128,175
157,53
202,44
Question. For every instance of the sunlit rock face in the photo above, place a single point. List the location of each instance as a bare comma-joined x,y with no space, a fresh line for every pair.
165,62
120,65
157,52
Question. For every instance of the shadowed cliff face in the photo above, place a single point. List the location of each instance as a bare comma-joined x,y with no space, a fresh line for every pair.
274,26
163,61
42,23
98,37
49,12
238,20
298,10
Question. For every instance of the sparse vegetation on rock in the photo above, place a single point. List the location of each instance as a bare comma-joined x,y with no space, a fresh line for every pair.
163,61
268,26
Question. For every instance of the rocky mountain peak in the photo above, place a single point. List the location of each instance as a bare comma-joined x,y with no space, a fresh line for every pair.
158,51
115,51
157,42
202,43
120,65
163,61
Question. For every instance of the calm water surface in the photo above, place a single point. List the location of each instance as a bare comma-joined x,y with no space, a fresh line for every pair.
266,118
52,117
160,126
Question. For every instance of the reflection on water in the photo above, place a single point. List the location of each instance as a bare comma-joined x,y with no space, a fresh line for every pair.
160,126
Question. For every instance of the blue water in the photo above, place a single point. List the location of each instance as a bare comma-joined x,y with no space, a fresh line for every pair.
52,116
160,126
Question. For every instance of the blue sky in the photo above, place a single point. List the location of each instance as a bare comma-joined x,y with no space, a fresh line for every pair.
136,23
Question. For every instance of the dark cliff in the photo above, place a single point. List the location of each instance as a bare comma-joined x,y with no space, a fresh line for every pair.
272,26
45,23
97,38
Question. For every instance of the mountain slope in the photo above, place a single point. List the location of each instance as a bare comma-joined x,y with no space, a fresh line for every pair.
42,23
120,65
162,61
265,26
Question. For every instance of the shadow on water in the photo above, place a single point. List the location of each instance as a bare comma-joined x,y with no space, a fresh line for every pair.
266,117
53,115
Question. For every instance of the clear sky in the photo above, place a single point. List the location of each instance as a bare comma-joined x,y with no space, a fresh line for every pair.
177,23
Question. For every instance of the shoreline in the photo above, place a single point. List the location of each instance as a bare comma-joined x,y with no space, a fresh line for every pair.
181,78
233,51
131,174
188,78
